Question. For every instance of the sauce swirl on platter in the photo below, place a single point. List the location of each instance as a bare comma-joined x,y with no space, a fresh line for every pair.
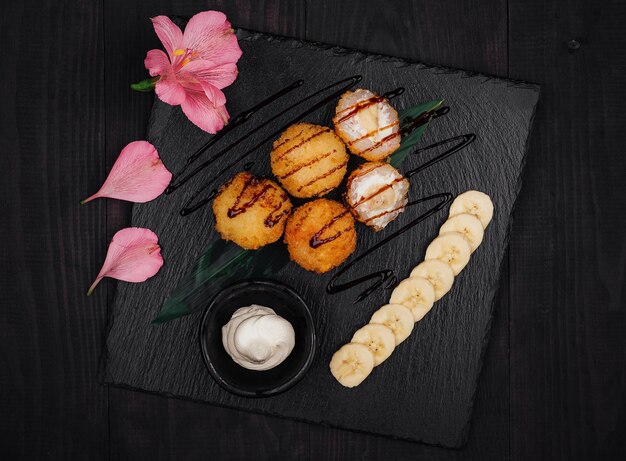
387,275
274,216
382,277
191,205
317,240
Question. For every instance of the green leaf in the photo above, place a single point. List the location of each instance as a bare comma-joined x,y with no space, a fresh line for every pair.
219,265
145,85
223,263
409,141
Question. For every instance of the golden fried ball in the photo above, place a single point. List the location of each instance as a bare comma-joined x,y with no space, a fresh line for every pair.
251,211
376,193
309,160
320,235
368,124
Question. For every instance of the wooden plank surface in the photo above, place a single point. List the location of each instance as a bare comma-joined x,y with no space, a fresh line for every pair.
444,358
567,309
145,426
51,406
447,32
568,251
429,32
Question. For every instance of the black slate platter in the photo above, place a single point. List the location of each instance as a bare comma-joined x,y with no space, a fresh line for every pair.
425,391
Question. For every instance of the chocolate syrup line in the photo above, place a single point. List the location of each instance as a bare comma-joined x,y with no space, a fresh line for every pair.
315,160
423,119
384,188
464,139
412,125
371,133
238,120
322,176
384,213
358,107
317,240
272,220
364,104
385,274
346,83
393,93
237,207
299,143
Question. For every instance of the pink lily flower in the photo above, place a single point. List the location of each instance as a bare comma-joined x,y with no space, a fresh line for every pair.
138,175
199,63
134,255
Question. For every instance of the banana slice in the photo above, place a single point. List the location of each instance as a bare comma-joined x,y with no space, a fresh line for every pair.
438,273
473,202
397,317
351,364
415,293
377,338
468,225
451,248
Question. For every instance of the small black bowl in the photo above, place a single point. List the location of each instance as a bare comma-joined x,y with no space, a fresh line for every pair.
250,383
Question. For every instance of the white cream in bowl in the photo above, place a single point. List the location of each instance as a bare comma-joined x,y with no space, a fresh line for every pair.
257,338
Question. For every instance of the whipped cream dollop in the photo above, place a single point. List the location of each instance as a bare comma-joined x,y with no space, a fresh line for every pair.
257,338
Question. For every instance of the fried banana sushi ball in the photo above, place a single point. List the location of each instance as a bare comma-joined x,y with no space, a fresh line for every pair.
320,235
309,160
250,211
376,193
368,124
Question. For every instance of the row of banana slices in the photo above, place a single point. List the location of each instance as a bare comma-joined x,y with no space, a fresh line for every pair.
412,299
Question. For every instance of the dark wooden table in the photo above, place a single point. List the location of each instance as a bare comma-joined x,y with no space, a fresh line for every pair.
554,380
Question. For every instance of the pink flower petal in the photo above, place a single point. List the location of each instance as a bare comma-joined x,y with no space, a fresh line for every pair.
169,33
134,255
138,175
202,113
169,89
215,95
202,62
223,113
157,62
219,76
210,35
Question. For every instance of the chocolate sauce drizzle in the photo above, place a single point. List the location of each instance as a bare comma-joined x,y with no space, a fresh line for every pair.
272,219
367,135
358,107
315,160
343,84
463,141
384,275
239,208
322,176
393,93
300,143
238,120
274,216
412,125
317,240
363,200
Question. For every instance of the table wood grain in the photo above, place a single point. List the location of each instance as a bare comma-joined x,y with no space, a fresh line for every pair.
554,381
